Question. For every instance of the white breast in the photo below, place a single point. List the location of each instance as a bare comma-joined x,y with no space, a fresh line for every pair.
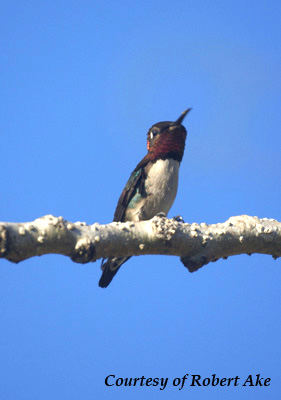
161,188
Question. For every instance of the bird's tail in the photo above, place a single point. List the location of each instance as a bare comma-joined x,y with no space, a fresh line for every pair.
110,268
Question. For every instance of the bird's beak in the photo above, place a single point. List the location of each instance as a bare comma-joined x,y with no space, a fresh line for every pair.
181,118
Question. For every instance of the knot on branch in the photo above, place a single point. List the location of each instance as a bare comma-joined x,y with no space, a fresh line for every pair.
164,228
84,251
194,263
3,241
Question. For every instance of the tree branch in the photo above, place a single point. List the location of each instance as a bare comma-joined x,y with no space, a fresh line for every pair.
196,244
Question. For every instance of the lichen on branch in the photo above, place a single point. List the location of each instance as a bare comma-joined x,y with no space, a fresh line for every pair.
195,244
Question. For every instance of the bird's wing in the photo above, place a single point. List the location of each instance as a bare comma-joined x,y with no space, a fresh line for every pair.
136,181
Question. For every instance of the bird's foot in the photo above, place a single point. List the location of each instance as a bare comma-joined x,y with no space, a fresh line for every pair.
178,218
161,215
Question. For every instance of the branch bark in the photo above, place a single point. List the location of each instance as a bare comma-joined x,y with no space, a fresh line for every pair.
196,244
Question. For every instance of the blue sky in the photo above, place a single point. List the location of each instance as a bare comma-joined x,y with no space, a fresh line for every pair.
81,83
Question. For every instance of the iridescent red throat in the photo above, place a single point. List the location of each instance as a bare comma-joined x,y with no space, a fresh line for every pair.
168,145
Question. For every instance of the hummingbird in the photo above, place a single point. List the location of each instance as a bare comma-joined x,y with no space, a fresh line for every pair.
152,186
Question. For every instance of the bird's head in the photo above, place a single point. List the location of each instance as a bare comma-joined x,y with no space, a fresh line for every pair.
167,139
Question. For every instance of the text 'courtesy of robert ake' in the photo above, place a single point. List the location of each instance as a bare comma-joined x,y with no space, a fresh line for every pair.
187,380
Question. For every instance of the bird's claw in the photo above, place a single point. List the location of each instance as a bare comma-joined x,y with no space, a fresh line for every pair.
178,218
161,215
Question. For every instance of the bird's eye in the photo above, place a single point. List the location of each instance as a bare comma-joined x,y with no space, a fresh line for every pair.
153,133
